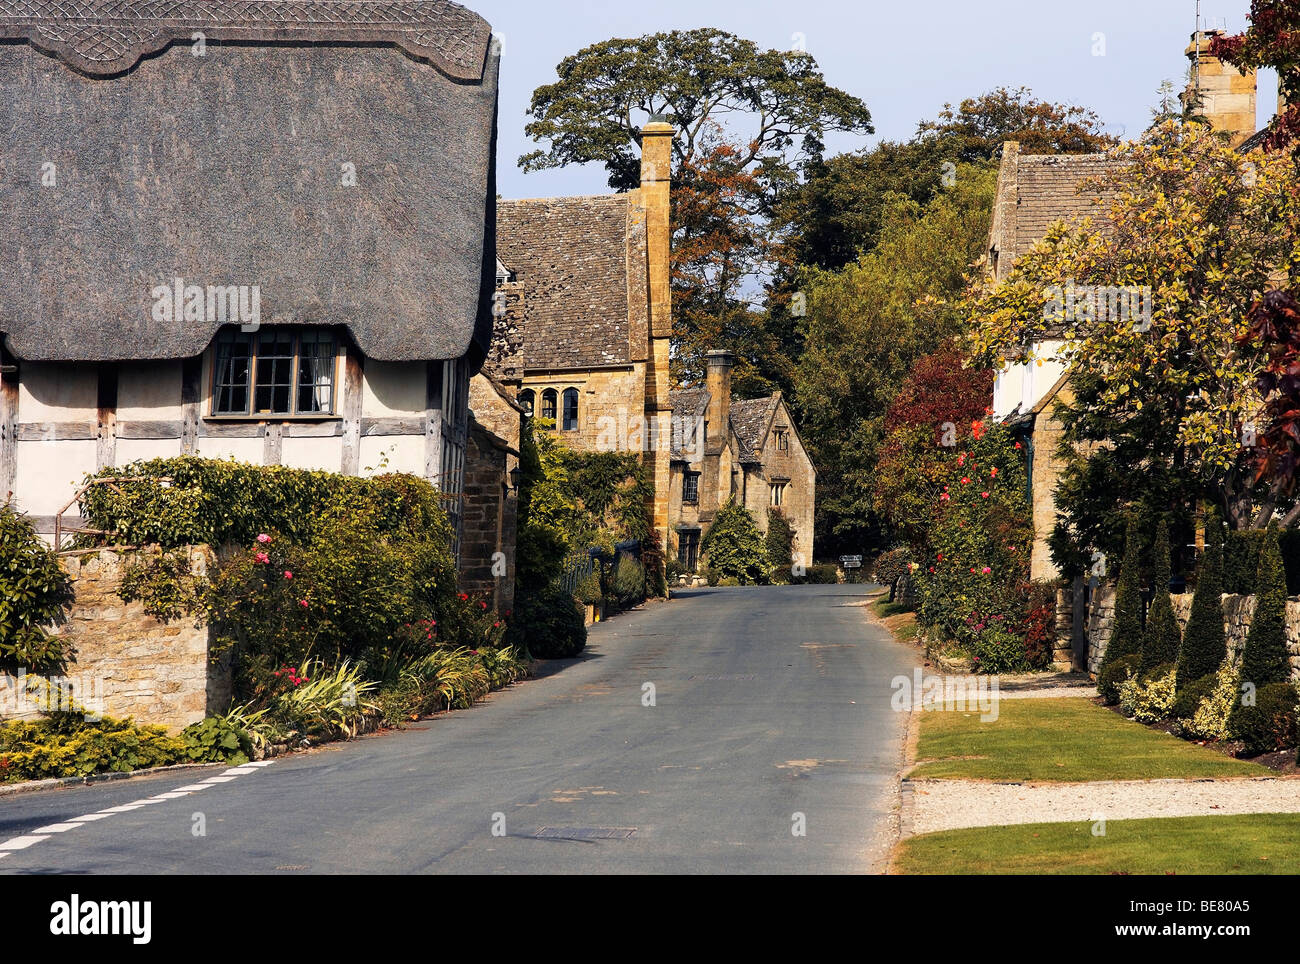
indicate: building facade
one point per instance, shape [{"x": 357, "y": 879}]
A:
[{"x": 295, "y": 268}]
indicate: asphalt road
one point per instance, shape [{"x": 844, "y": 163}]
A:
[{"x": 769, "y": 703}]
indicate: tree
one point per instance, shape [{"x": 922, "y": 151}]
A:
[
  {"x": 1126, "y": 636},
  {"x": 1270, "y": 42},
  {"x": 866, "y": 326},
  {"x": 695, "y": 77},
  {"x": 1162, "y": 639},
  {"x": 734, "y": 547},
  {"x": 1275, "y": 327},
  {"x": 977, "y": 128},
  {"x": 932, "y": 414},
  {"x": 1195, "y": 230},
  {"x": 779, "y": 540},
  {"x": 1264, "y": 657},
  {"x": 746, "y": 118},
  {"x": 1204, "y": 644}
]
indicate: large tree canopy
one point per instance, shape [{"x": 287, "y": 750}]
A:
[
  {"x": 1271, "y": 41},
  {"x": 769, "y": 100},
  {"x": 977, "y": 128}
]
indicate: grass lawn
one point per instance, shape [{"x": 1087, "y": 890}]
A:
[
  {"x": 1069, "y": 739},
  {"x": 898, "y": 619},
  {"x": 1257, "y": 843}
]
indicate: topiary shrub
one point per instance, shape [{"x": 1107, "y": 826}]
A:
[
  {"x": 1148, "y": 697},
  {"x": 1210, "y": 719},
  {"x": 734, "y": 545},
  {"x": 551, "y": 624},
  {"x": 1190, "y": 696},
  {"x": 1162, "y": 639},
  {"x": 1126, "y": 635},
  {"x": 1112, "y": 674},
  {"x": 779, "y": 540},
  {"x": 1204, "y": 644},
  {"x": 34, "y": 593},
  {"x": 1268, "y": 725},
  {"x": 1264, "y": 657}
]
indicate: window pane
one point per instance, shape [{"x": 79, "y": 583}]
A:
[
  {"x": 274, "y": 372},
  {"x": 316, "y": 374},
  {"x": 230, "y": 384},
  {"x": 549, "y": 399},
  {"x": 526, "y": 399},
  {"x": 570, "y": 410}
]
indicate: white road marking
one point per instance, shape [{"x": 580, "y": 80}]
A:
[
  {"x": 173, "y": 795},
  {"x": 238, "y": 771},
  {"x": 122, "y": 809},
  {"x": 58, "y": 828},
  {"x": 189, "y": 789},
  {"x": 89, "y": 817},
  {"x": 21, "y": 843},
  {"x": 212, "y": 780},
  {"x": 260, "y": 763},
  {"x": 146, "y": 801}
]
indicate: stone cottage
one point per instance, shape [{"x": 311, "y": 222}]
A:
[
  {"x": 251, "y": 230},
  {"x": 1033, "y": 193},
  {"x": 584, "y": 317},
  {"x": 757, "y": 458}
]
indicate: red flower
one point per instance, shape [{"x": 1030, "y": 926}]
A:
[
  {"x": 302, "y": 603},
  {"x": 482, "y": 604},
  {"x": 965, "y": 481},
  {"x": 288, "y": 574},
  {"x": 464, "y": 596},
  {"x": 1017, "y": 445},
  {"x": 262, "y": 557},
  {"x": 984, "y": 495},
  {"x": 496, "y": 625}
]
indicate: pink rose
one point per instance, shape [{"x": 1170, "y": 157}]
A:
[
  {"x": 288, "y": 574},
  {"x": 302, "y": 603},
  {"x": 263, "y": 538},
  {"x": 986, "y": 570},
  {"x": 262, "y": 557}
]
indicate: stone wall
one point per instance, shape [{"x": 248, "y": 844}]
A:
[
  {"x": 488, "y": 527},
  {"x": 1237, "y": 613},
  {"x": 128, "y": 664}
]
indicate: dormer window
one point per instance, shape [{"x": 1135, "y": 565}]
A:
[{"x": 782, "y": 440}]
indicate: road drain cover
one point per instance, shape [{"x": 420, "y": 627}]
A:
[{"x": 586, "y": 833}]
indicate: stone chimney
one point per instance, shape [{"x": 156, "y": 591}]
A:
[
  {"x": 656, "y": 186},
  {"x": 656, "y": 196},
  {"x": 1227, "y": 96},
  {"x": 718, "y": 382}
]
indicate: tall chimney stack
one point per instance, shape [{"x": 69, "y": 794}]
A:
[
  {"x": 656, "y": 198},
  {"x": 1227, "y": 96},
  {"x": 718, "y": 382}
]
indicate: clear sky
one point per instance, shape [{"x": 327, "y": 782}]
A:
[{"x": 905, "y": 58}]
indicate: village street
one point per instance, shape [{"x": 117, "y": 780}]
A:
[{"x": 769, "y": 703}]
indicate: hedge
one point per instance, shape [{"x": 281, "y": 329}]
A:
[{"x": 219, "y": 502}]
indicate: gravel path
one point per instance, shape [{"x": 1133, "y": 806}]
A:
[{"x": 953, "y": 804}]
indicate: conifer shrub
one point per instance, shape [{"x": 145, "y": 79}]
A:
[
  {"x": 1162, "y": 639},
  {"x": 1204, "y": 644},
  {"x": 1126, "y": 636}
]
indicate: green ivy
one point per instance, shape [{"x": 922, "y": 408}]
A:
[
  {"x": 734, "y": 547},
  {"x": 35, "y": 592}
]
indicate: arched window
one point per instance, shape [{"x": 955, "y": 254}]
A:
[
  {"x": 570, "y": 410},
  {"x": 549, "y": 400},
  {"x": 526, "y": 399}
]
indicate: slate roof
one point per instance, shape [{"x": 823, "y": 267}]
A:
[
  {"x": 1050, "y": 189},
  {"x": 230, "y": 169},
  {"x": 688, "y": 404},
  {"x": 574, "y": 261},
  {"x": 750, "y": 420},
  {"x": 1036, "y": 190}
]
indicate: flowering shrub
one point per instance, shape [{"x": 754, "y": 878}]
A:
[
  {"x": 1210, "y": 720},
  {"x": 972, "y": 589},
  {"x": 1149, "y": 698}
]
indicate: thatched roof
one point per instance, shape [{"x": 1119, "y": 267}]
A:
[{"x": 236, "y": 168}]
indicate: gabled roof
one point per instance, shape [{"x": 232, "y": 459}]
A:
[
  {"x": 579, "y": 270},
  {"x": 336, "y": 155},
  {"x": 688, "y": 405},
  {"x": 750, "y": 420},
  {"x": 1036, "y": 190}
]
